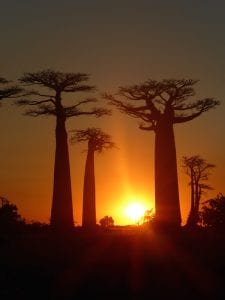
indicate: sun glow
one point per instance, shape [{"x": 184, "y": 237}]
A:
[{"x": 135, "y": 212}]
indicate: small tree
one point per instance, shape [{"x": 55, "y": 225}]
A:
[
  {"x": 159, "y": 105},
  {"x": 10, "y": 219},
  {"x": 49, "y": 102},
  {"x": 106, "y": 222},
  {"x": 97, "y": 142},
  {"x": 198, "y": 169},
  {"x": 212, "y": 214}
]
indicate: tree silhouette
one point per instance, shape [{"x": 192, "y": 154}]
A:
[
  {"x": 8, "y": 91},
  {"x": 148, "y": 216},
  {"x": 10, "y": 219},
  {"x": 198, "y": 169},
  {"x": 49, "y": 102},
  {"x": 213, "y": 213},
  {"x": 97, "y": 142},
  {"x": 159, "y": 105},
  {"x": 106, "y": 222}
]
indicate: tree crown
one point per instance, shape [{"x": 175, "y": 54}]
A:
[
  {"x": 50, "y": 103},
  {"x": 197, "y": 166},
  {"x": 8, "y": 213},
  {"x": 97, "y": 139},
  {"x": 153, "y": 100}
]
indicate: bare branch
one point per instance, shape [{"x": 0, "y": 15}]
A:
[
  {"x": 183, "y": 119},
  {"x": 199, "y": 107},
  {"x": 97, "y": 112},
  {"x": 199, "y": 167},
  {"x": 80, "y": 88},
  {"x": 23, "y": 102},
  {"x": 58, "y": 81},
  {"x": 36, "y": 93},
  {"x": 9, "y": 91},
  {"x": 41, "y": 110},
  {"x": 88, "y": 100},
  {"x": 149, "y": 128},
  {"x": 137, "y": 112}
]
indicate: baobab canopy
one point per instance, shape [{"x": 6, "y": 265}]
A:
[{"x": 152, "y": 99}]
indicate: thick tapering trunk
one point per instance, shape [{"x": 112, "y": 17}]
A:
[
  {"x": 62, "y": 208},
  {"x": 166, "y": 179},
  {"x": 89, "y": 207}
]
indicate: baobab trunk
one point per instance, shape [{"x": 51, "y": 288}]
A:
[
  {"x": 62, "y": 208},
  {"x": 166, "y": 179},
  {"x": 89, "y": 208}
]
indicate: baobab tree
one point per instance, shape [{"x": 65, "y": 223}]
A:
[
  {"x": 7, "y": 90},
  {"x": 49, "y": 102},
  {"x": 159, "y": 105},
  {"x": 97, "y": 142},
  {"x": 198, "y": 169}
]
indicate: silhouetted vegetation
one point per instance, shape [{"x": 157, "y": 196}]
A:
[
  {"x": 148, "y": 216},
  {"x": 198, "y": 169},
  {"x": 159, "y": 105},
  {"x": 10, "y": 220},
  {"x": 97, "y": 142},
  {"x": 106, "y": 222},
  {"x": 212, "y": 213},
  {"x": 50, "y": 102}
]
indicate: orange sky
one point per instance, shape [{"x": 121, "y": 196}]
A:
[
  {"x": 117, "y": 47},
  {"x": 123, "y": 175}
]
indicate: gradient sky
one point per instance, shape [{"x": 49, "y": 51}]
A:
[{"x": 118, "y": 43}]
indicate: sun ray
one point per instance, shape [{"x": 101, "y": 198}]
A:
[{"x": 135, "y": 212}]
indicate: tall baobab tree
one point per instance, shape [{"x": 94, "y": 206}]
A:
[
  {"x": 97, "y": 142},
  {"x": 8, "y": 91},
  {"x": 198, "y": 169},
  {"x": 49, "y": 101},
  {"x": 159, "y": 105}
]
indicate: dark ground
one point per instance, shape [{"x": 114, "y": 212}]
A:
[{"x": 118, "y": 264}]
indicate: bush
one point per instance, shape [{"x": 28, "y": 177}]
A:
[
  {"x": 107, "y": 222},
  {"x": 10, "y": 219},
  {"x": 212, "y": 214}
]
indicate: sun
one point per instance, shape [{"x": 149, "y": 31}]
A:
[{"x": 135, "y": 211}]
